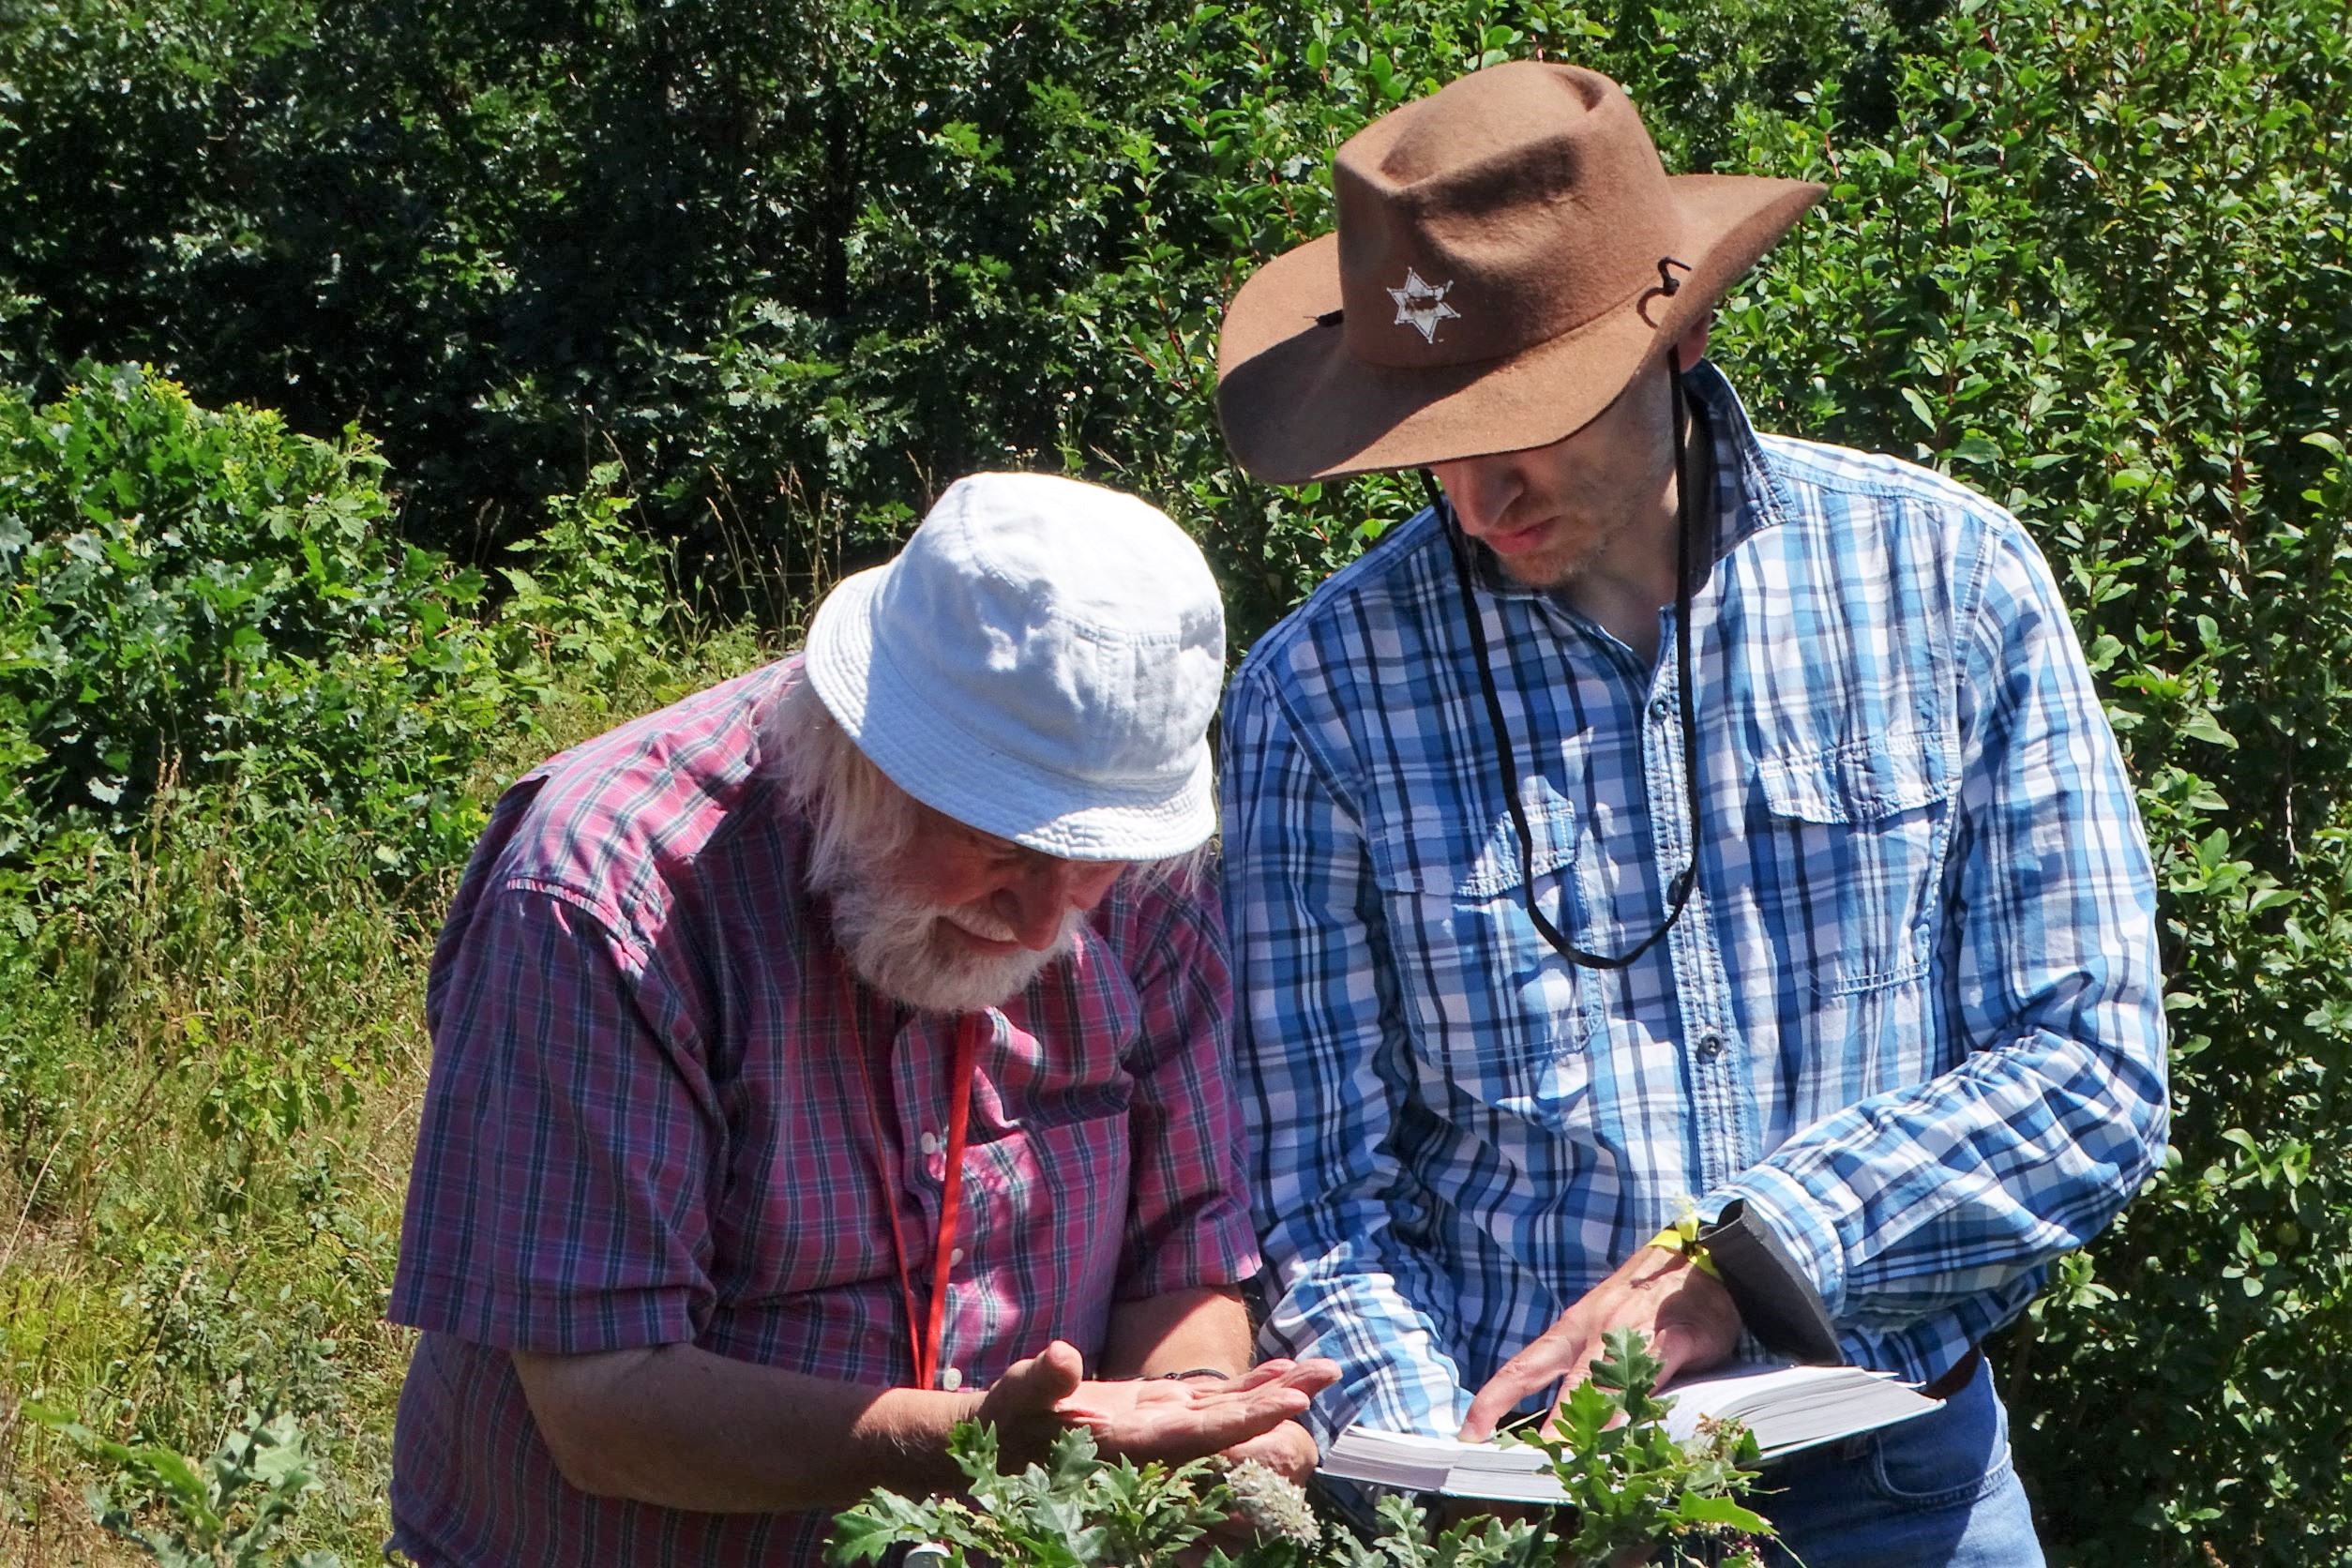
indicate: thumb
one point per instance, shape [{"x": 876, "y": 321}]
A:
[{"x": 1047, "y": 1378}]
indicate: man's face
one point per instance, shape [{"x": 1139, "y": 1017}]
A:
[
  {"x": 1552, "y": 513},
  {"x": 961, "y": 919}
]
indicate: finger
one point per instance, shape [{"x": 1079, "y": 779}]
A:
[
  {"x": 1263, "y": 1373},
  {"x": 1050, "y": 1376},
  {"x": 1699, "y": 1331},
  {"x": 1678, "y": 1350},
  {"x": 1541, "y": 1363},
  {"x": 1312, "y": 1376},
  {"x": 1309, "y": 1377},
  {"x": 1279, "y": 1370}
]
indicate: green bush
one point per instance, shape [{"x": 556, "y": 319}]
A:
[
  {"x": 211, "y": 1054},
  {"x": 2098, "y": 273},
  {"x": 795, "y": 269},
  {"x": 204, "y": 599},
  {"x": 205, "y": 595}
]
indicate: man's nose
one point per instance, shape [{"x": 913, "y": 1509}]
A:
[
  {"x": 1481, "y": 490},
  {"x": 1042, "y": 896}
]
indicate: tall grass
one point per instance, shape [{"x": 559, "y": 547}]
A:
[{"x": 212, "y": 1052}]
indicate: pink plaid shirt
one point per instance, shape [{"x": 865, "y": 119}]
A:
[{"x": 644, "y": 1125}]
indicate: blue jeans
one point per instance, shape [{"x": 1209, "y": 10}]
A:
[{"x": 1937, "y": 1491}]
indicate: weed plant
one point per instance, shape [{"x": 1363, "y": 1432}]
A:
[{"x": 1635, "y": 1495}]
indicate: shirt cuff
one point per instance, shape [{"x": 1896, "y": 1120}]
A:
[{"x": 544, "y": 1321}]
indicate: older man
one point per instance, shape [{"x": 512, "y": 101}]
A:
[
  {"x": 1683, "y": 880},
  {"x": 837, "y": 1055}
]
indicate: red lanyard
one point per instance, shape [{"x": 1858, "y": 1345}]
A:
[{"x": 970, "y": 1031}]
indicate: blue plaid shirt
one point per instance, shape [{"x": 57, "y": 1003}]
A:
[{"x": 1911, "y": 1014}]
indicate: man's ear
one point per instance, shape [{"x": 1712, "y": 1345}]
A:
[{"x": 1693, "y": 345}]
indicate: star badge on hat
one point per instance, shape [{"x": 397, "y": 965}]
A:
[{"x": 1422, "y": 305}]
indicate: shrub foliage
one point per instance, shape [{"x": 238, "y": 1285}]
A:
[{"x": 787, "y": 269}]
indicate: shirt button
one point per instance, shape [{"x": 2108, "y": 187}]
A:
[
  {"x": 956, "y": 1256},
  {"x": 1710, "y": 1044},
  {"x": 952, "y": 1379},
  {"x": 929, "y": 1144},
  {"x": 1662, "y": 706}
]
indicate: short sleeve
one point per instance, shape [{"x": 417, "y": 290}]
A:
[
  {"x": 559, "y": 1201},
  {"x": 1188, "y": 1212}
]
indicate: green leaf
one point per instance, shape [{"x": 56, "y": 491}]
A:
[
  {"x": 2202, "y": 726},
  {"x": 188, "y": 1492},
  {"x": 1695, "y": 1509},
  {"x": 864, "y": 1535}
]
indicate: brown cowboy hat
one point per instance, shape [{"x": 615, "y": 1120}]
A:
[{"x": 1511, "y": 254}]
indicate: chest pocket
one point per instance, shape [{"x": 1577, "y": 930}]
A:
[
  {"x": 1846, "y": 848},
  {"x": 1493, "y": 1012}
]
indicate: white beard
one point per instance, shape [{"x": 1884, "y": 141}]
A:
[{"x": 896, "y": 944}]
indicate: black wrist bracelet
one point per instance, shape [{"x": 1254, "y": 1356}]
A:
[{"x": 1194, "y": 1372}]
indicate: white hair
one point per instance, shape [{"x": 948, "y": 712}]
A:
[{"x": 857, "y": 816}]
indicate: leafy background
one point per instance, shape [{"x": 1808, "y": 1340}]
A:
[{"x": 395, "y": 392}]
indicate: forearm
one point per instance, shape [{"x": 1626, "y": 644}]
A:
[
  {"x": 1974, "y": 1180},
  {"x": 1177, "y": 1331},
  {"x": 680, "y": 1428}
]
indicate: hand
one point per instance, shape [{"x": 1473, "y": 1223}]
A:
[
  {"x": 1147, "y": 1418},
  {"x": 1684, "y": 1311},
  {"x": 1151, "y": 1418},
  {"x": 1021, "y": 1405}
]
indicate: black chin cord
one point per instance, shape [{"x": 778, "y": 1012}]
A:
[{"x": 1679, "y": 892}]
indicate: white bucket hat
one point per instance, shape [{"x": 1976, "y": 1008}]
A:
[{"x": 1040, "y": 662}]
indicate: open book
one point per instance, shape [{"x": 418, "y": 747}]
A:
[{"x": 1785, "y": 1409}]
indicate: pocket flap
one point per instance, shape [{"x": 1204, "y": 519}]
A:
[
  {"x": 1857, "y": 783},
  {"x": 1466, "y": 860}
]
